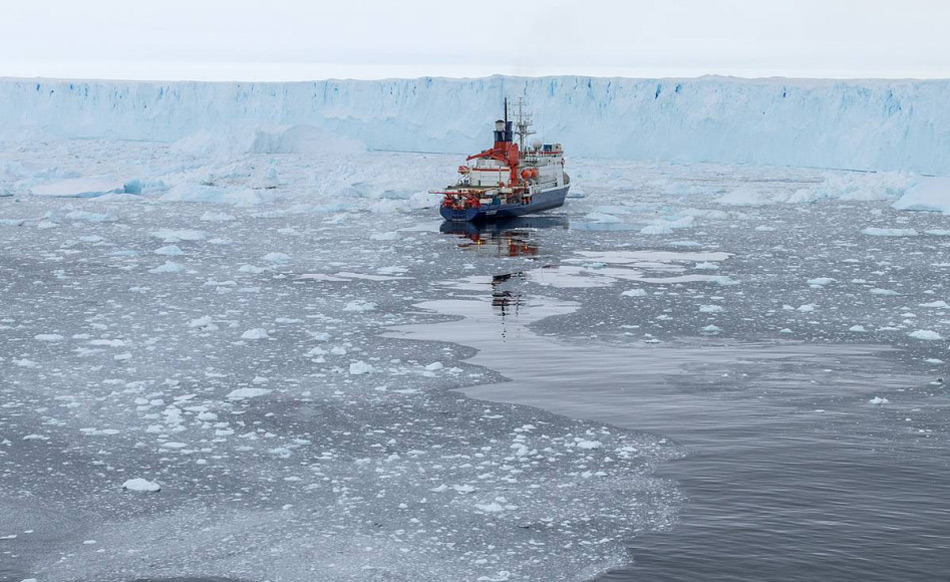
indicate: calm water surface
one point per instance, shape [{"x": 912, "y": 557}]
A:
[{"x": 793, "y": 474}]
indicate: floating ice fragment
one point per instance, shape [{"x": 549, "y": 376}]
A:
[
  {"x": 170, "y": 251},
  {"x": 168, "y": 267},
  {"x": 245, "y": 393},
  {"x": 216, "y": 217},
  {"x": 589, "y": 445},
  {"x": 85, "y": 216},
  {"x": 255, "y": 334},
  {"x": 635, "y": 293},
  {"x": 174, "y": 236},
  {"x": 357, "y": 368},
  {"x": 925, "y": 334},
  {"x": 878, "y": 400},
  {"x": 201, "y": 322},
  {"x": 277, "y": 258},
  {"x": 893, "y": 232},
  {"x": 434, "y": 366},
  {"x": 707, "y": 266},
  {"x": 820, "y": 281},
  {"x": 141, "y": 485}
]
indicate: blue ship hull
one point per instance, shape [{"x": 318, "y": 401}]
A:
[{"x": 543, "y": 201}]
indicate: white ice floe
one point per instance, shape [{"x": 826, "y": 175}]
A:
[
  {"x": 878, "y": 400},
  {"x": 927, "y": 194},
  {"x": 635, "y": 293},
  {"x": 589, "y": 445},
  {"x": 168, "y": 267},
  {"x": 239, "y": 196},
  {"x": 141, "y": 485},
  {"x": 86, "y": 216},
  {"x": 277, "y": 258},
  {"x": 245, "y": 393},
  {"x": 256, "y": 333},
  {"x": 48, "y": 337},
  {"x": 216, "y": 217},
  {"x": 820, "y": 281},
  {"x": 203, "y": 322},
  {"x": 169, "y": 251},
  {"x": 359, "y": 305},
  {"x": 358, "y": 368},
  {"x": 88, "y": 187},
  {"x": 925, "y": 334},
  {"x": 891, "y": 232},
  {"x": 174, "y": 236}
]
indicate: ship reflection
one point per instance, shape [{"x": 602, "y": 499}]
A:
[{"x": 508, "y": 238}]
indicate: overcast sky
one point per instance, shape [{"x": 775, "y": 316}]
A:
[{"x": 298, "y": 39}]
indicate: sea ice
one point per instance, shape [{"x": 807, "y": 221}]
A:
[{"x": 141, "y": 485}]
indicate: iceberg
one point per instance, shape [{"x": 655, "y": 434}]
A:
[{"x": 862, "y": 124}]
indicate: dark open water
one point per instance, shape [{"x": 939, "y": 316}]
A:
[{"x": 793, "y": 474}]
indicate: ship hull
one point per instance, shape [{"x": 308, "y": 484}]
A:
[{"x": 547, "y": 200}]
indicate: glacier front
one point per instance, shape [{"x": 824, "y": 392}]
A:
[{"x": 865, "y": 125}]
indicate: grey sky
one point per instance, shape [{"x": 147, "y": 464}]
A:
[{"x": 293, "y": 39}]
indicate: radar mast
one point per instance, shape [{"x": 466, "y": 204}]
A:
[{"x": 523, "y": 124}]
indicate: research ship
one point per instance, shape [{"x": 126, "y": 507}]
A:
[{"x": 508, "y": 179}]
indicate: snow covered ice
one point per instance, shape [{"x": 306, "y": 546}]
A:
[{"x": 211, "y": 315}]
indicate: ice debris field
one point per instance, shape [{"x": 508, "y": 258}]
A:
[{"x": 196, "y": 377}]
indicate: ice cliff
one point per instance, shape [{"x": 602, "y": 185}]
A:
[{"x": 875, "y": 125}]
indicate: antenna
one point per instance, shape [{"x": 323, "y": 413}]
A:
[{"x": 524, "y": 124}]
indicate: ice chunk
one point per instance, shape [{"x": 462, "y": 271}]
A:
[
  {"x": 277, "y": 258},
  {"x": 85, "y": 216},
  {"x": 245, "y": 393},
  {"x": 216, "y": 217},
  {"x": 79, "y": 187},
  {"x": 168, "y": 267},
  {"x": 174, "y": 236},
  {"x": 358, "y": 368},
  {"x": 894, "y": 232},
  {"x": 141, "y": 485},
  {"x": 201, "y": 322},
  {"x": 928, "y": 195},
  {"x": 925, "y": 334},
  {"x": 169, "y": 250},
  {"x": 255, "y": 334},
  {"x": 820, "y": 281}
]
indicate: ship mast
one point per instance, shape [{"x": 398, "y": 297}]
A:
[{"x": 523, "y": 124}]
